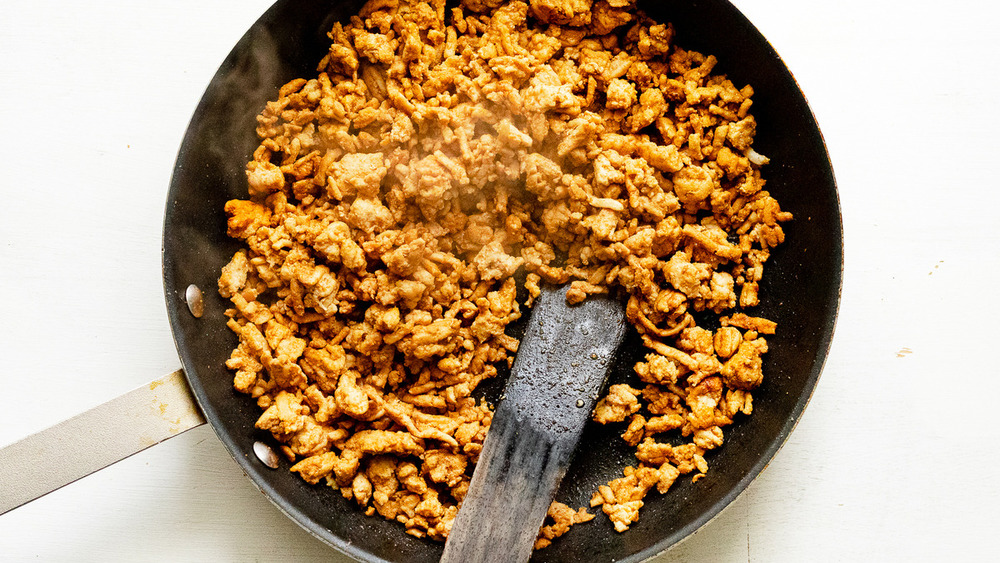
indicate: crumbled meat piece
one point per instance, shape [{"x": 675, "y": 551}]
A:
[
  {"x": 693, "y": 184},
  {"x": 726, "y": 341},
  {"x": 621, "y": 94},
  {"x": 562, "y": 12},
  {"x": 744, "y": 370},
  {"x": 607, "y": 16},
  {"x": 702, "y": 399},
  {"x": 617, "y": 405},
  {"x": 495, "y": 264},
  {"x": 621, "y": 498},
  {"x": 356, "y": 174},
  {"x": 740, "y": 133},
  {"x": 264, "y": 178},
  {"x": 439, "y": 156},
  {"x": 633, "y": 434},
  {"x": 708, "y": 438},
  {"x": 234, "y": 275},
  {"x": 658, "y": 369},
  {"x": 744, "y": 321},
  {"x": 314, "y": 468},
  {"x": 444, "y": 467},
  {"x": 651, "y": 107},
  {"x": 562, "y": 517}
]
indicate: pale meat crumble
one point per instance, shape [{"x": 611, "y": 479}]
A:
[{"x": 438, "y": 153}]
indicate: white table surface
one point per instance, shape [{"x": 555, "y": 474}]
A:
[{"x": 895, "y": 458}]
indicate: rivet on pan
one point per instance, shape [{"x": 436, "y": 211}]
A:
[
  {"x": 194, "y": 301},
  {"x": 579, "y": 403},
  {"x": 265, "y": 454}
]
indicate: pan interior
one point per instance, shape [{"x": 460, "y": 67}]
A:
[{"x": 800, "y": 289}]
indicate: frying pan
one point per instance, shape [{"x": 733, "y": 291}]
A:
[{"x": 800, "y": 290}]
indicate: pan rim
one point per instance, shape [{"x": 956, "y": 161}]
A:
[{"x": 308, "y": 523}]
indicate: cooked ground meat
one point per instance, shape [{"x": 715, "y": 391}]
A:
[{"x": 440, "y": 152}]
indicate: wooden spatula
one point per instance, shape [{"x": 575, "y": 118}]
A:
[{"x": 559, "y": 371}]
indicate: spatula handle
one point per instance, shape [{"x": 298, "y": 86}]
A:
[
  {"x": 560, "y": 368},
  {"x": 521, "y": 469}
]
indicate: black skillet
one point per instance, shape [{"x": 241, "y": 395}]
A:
[{"x": 800, "y": 290}]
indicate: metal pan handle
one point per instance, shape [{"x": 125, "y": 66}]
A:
[{"x": 95, "y": 439}]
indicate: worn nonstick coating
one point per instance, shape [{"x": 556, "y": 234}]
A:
[{"x": 800, "y": 290}]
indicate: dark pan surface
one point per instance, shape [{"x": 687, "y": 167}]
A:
[{"x": 800, "y": 290}]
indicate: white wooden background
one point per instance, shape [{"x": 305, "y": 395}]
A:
[{"x": 896, "y": 457}]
